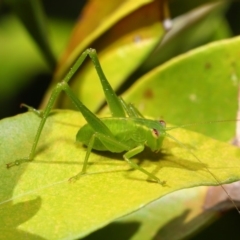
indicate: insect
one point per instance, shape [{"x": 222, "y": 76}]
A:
[{"x": 125, "y": 131}]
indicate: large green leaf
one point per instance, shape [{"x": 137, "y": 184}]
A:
[
  {"x": 37, "y": 199},
  {"x": 201, "y": 85}
]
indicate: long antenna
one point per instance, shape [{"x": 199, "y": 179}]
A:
[
  {"x": 216, "y": 179},
  {"x": 204, "y": 122}
]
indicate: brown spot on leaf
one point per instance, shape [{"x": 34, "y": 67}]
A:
[
  {"x": 148, "y": 94},
  {"x": 208, "y": 65}
]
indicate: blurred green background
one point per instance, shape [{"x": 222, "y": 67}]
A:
[{"x": 25, "y": 74}]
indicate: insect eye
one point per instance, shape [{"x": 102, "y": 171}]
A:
[
  {"x": 155, "y": 132},
  {"x": 163, "y": 123}
]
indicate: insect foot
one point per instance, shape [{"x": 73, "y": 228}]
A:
[
  {"x": 17, "y": 162},
  {"x": 39, "y": 113},
  {"x": 156, "y": 179},
  {"x": 163, "y": 183},
  {"x": 76, "y": 177}
]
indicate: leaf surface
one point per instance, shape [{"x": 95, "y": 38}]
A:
[
  {"x": 35, "y": 195},
  {"x": 198, "y": 86}
]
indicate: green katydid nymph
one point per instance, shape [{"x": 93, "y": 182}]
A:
[{"x": 125, "y": 131}]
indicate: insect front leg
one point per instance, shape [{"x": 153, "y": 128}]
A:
[
  {"x": 39, "y": 113},
  {"x": 134, "y": 152}
]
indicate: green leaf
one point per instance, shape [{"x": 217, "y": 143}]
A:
[
  {"x": 36, "y": 194},
  {"x": 199, "y": 86}
]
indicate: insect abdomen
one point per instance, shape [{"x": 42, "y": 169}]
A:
[{"x": 124, "y": 130}]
